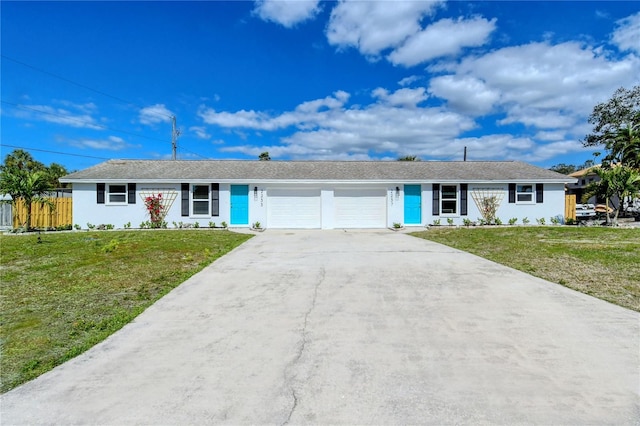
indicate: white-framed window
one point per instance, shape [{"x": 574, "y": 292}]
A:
[
  {"x": 525, "y": 194},
  {"x": 449, "y": 200},
  {"x": 117, "y": 194},
  {"x": 200, "y": 200}
]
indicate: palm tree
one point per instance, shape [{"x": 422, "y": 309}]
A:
[
  {"x": 30, "y": 187},
  {"x": 619, "y": 182},
  {"x": 624, "y": 146}
]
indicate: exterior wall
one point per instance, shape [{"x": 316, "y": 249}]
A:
[
  {"x": 87, "y": 210},
  {"x": 552, "y": 206}
]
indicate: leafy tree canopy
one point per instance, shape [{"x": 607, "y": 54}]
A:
[
  {"x": 567, "y": 169},
  {"x": 616, "y": 127},
  {"x": 264, "y": 156},
  {"x": 21, "y": 163},
  {"x": 409, "y": 158}
]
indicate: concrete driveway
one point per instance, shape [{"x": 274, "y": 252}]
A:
[{"x": 377, "y": 327}]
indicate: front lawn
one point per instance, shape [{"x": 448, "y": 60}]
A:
[
  {"x": 602, "y": 262},
  {"x": 64, "y": 293}
]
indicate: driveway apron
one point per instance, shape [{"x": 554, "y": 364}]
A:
[{"x": 352, "y": 327}]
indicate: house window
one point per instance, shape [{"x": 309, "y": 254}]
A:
[
  {"x": 200, "y": 199},
  {"x": 524, "y": 194},
  {"x": 117, "y": 194},
  {"x": 449, "y": 199}
]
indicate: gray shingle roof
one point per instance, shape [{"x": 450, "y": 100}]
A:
[{"x": 254, "y": 171}]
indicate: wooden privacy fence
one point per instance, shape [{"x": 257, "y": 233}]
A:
[
  {"x": 42, "y": 216},
  {"x": 570, "y": 206}
]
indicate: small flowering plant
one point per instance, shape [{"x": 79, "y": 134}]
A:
[{"x": 155, "y": 208}]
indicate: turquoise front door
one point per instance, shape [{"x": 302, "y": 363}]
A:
[
  {"x": 412, "y": 205},
  {"x": 239, "y": 204}
]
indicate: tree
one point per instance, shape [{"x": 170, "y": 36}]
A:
[
  {"x": 565, "y": 169},
  {"x": 55, "y": 172},
  {"x": 619, "y": 182},
  {"x": 28, "y": 186},
  {"x": 24, "y": 178},
  {"x": 22, "y": 160},
  {"x": 264, "y": 156},
  {"x": 624, "y": 147},
  {"x": 409, "y": 158},
  {"x": 616, "y": 126}
]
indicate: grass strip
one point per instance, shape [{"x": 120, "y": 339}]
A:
[
  {"x": 599, "y": 261},
  {"x": 61, "y": 293}
]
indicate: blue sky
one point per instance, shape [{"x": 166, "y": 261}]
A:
[{"x": 348, "y": 80}]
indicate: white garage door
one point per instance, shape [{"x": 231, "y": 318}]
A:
[
  {"x": 360, "y": 208},
  {"x": 293, "y": 208}
]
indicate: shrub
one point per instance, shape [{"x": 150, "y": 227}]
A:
[
  {"x": 211, "y": 224},
  {"x": 541, "y": 221},
  {"x": 466, "y": 222},
  {"x": 397, "y": 225},
  {"x": 525, "y": 221},
  {"x": 450, "y": 221},
  {"x": 224, "y": 224},
  {"x": 513, "y": 220}
]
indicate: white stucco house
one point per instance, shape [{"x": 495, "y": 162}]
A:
[{"x": 313, "y": 194}]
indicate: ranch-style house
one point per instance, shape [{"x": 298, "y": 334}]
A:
[{"x": 314, "y": 194}]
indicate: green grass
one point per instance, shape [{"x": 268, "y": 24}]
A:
[
  {"x": 63, "y": 295},
  {"x": 602, "y": 262}
]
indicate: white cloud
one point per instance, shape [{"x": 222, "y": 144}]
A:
[
  {"x": 112, "y": 143},
  {"x": 466, "y": 94},
  {"x": 155, "y": 114},
  {"x": 331, "y": 130},
  {"x": 407, "y": 81},
  {"x": 538, "y": 84},
  {"x": 627, "y": 34},
  {"x": 286, "y": 13},
  {"x": 80, "y": 119},
  {"x": 200, "y": 132},
  {"x": 373, "y": 26},
  {"x": 303, "y": 116},
  {"x": 443, "y": 38},
  {"x": 408, "y": 98}
]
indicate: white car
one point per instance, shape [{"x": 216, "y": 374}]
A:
[{"x": 585, "y": 211}]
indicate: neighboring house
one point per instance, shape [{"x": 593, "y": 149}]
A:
[
  {"x": 313, "y": 194},
  {"x": 582, "y": 179}
]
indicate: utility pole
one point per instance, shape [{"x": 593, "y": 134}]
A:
[{"x": 174, "y": 137}]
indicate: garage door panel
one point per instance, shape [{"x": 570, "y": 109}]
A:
[
  {"x": 293, "y": 208},
  {"x": 360, "y": 208}
]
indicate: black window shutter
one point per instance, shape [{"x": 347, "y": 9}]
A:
[
  {"x": 539, "y": 193},
  {"x": 512, "y": 192},
  {"x": 435, "y": 208},
  {"x": 131, "y": 193},
  {"x": 463, "y": 199},
  {"x": 215, "y": 199},
  {"x": 100, "y": 193},
  {"x": 185, "y": 199}
]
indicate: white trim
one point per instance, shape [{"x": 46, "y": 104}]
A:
[
  {"x": 457, "y": 199},
  {"x": 524, "y": 193},
  {"x": 192, "y": 212},
  {"x": 108, "y": 194}
]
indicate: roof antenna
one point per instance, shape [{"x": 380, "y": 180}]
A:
[
  {"x": 465, "y": 153},
  {"x": 174, "y": 137}
]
